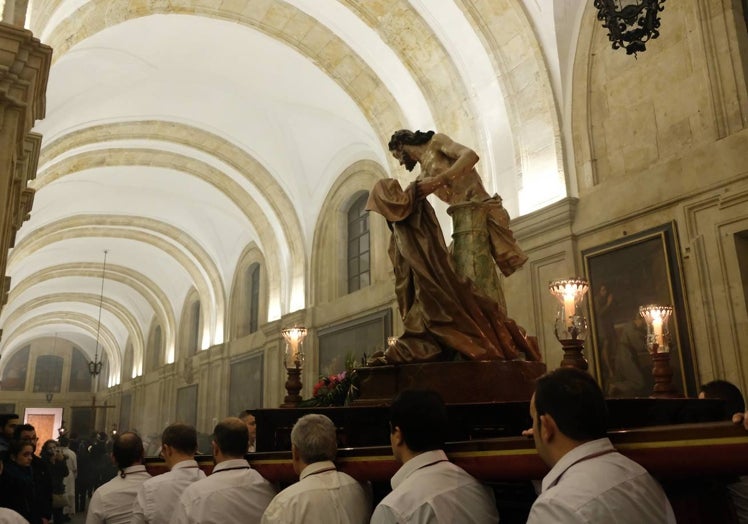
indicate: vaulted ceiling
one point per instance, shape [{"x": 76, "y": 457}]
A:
[{"x": 178, "y": 133}]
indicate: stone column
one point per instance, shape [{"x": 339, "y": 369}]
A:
[
  {"x": 471, "y": 250},
  {"x": 24, "y": 69}
]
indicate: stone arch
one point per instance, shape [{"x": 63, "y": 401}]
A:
[
  {"x": 115, "y": 226},
  {"x": 216, "y": 146},
  {"x": 188, "y": 342},
  {"x": 327, "y": 272},
  {"x": 154, "y": 353},
  {"x": 239, "y": 307},
  {"x": 121, "y": 313},
  {"x": 144, "y": 286},
  {"x": 85, "y": 323},
  {"x": 504, "y": 29},
  {"x": 318, "y": 44}
]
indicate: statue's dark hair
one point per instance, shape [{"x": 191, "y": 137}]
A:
[{"x": 409, "y": 138}]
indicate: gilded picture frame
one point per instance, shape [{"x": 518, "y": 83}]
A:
[{"x": 637, "y": 270}]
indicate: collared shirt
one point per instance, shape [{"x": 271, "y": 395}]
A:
[
  {"x": 234, "y": 492},
  {"x": 112, "y": 502},
  {"x": 594, "y": 483},
  {"x": 428, "y": 488},
  {"x": 157, "y": 496},
  {"x": 8, "y": 516},
  {"x": 322, "y": 494}
]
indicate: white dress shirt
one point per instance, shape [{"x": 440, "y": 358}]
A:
[
  {"x": 112, "y": 502},
  {"x": 234, "y": 492},
  {"x": 8, "y": 516},
  {"x": 69, "y": 480},
  {"x": 322, "y": 494},
  {"x": 157, "y": 496},
  {"x": 428, "y": 489},
  {"x": 594, "y": 483}
]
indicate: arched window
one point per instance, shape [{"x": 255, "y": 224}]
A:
[
  {"x": 193, "y": 342},
  {"x": 48, "y": 375},
  {"x": 14, "y": 374},
  {"x": 80, "y": 378},
  {"x": 155, "y": 349},
  {"x": 127, "y": 363},
  {"x": 253, "y": 298},
  {"x": 359, "y": 263}
]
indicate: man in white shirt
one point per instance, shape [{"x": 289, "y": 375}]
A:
[
  {"x": 248, "y": 417},
  {"x": 234, "y": 492},
  {"x": 112, "y": 502},
  {"x": 589, "y": 481},
  {"x": 428, "y": 488},
  {"x": 323, "y": 494},
  {"x": 157, "y": 496},
  {"x": 69, "y": 480}
]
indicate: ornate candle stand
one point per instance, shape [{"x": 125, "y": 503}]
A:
[{"x": 570, "y": 326}]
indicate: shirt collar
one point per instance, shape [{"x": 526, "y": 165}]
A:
[
  {"x": 593, "y": 447},
  {"x": 419, "y": 461},
  {"x": 138, "y": 468},
  {"x": 317, "y": 467},
  {"x": 231, "y": 463},
  {"x": 185, "y": 464}
]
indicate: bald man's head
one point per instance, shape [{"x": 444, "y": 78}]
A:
[{"x": 127, "y": 450}]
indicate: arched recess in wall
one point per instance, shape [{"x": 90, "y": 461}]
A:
[
  {"x": 329, "y": 272},
  {"x": 127, "y": 363},
  {"x": 249, "y": 294},
  {"x": 155, "y": 347},
  {"x": 190, "y": 325}
]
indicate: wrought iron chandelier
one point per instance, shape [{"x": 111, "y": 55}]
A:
[
  {"x": 94, "y": 366},
  {"x": 630, "y": 23}
]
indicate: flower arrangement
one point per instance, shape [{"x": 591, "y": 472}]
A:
[{"x": 335, "y": 390}]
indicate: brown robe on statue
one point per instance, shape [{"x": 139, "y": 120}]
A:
[{"x": 444, "y": 316}]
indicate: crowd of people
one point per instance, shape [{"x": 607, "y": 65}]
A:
[
  {"x": 50, "y": 483},
  {"x": 588, "y": 481}
]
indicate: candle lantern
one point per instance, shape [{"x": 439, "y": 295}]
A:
[
  {"x": 658, "y": 344},
  {"x": 570, "y": 325},
  {"x": 293, "y": 361}
]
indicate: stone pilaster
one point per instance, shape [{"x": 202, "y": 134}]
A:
[{"x": 24, "y": 69}]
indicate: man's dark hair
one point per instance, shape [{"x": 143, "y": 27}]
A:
[
  {"x": 7, "y": 417},
  {"x": 575, "y": 401},
  {"x": 20, "y": 428},
  {"x": 421, "y": 417},
  {"x": 231, "y": 436},
  {"x": 406, "y": 137},
  {"x": 64, "y": 441},
  {"x": 181, "y": 437},
  {"x": 127, "y": 449},
  {"x": 728, "y": 392},
  {"x": 16, "y": 446}
]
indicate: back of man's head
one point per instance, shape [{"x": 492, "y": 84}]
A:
[
  {"x": 422, "y": 419},
  {"x": 231, "y": 436},
  {"x": 314, "y": 438},
  {"x": 127, "y": 450},
  {"x": 575, "y": 401},
  {"x": 728, "y": 392},
  {"x": 64, "y": 441},
  {"x": 181, "y": 437}
]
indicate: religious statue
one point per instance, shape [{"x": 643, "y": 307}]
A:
[{"x": 452, "y": 305}]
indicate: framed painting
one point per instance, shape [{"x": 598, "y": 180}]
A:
[{"x": 634, "y": 271}]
